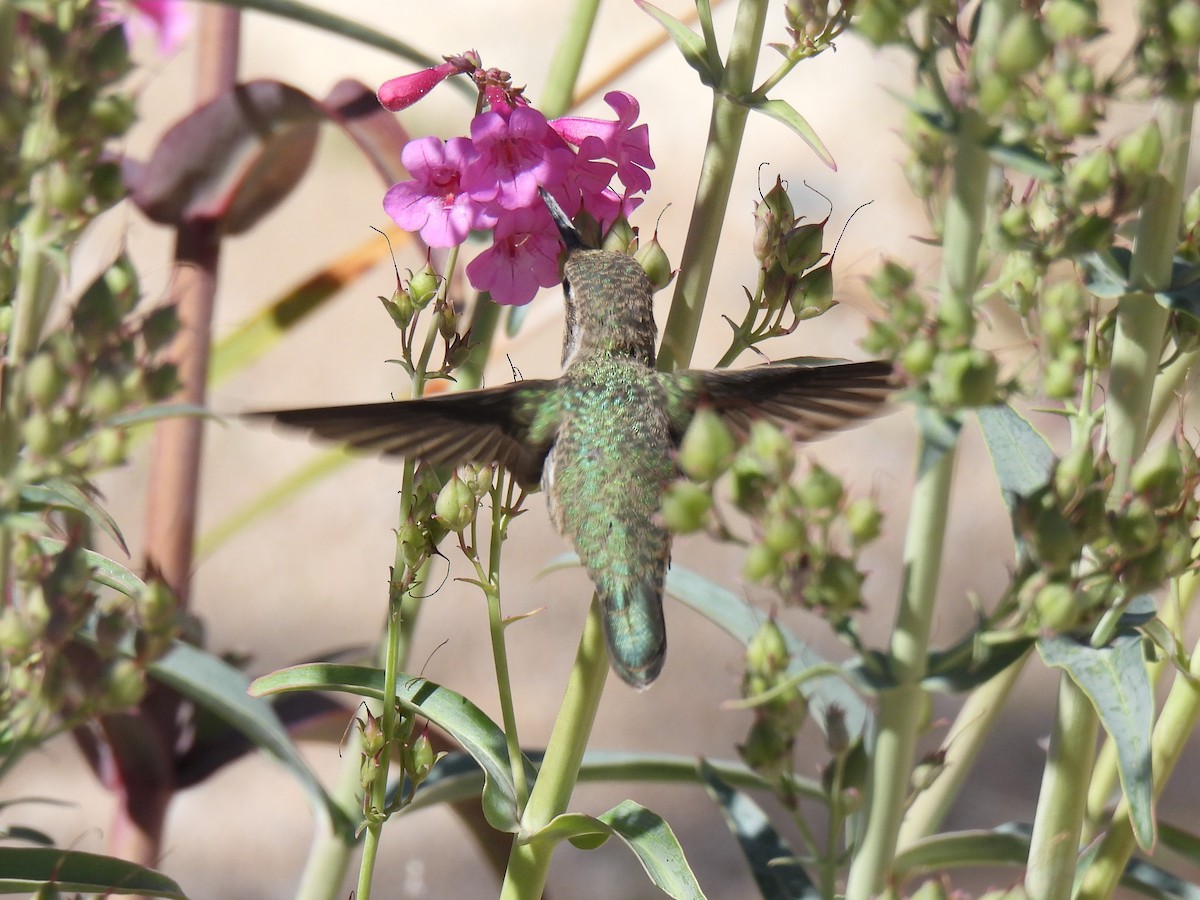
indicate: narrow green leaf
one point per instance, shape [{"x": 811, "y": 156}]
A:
[
  {"x": 29, "y": 869},
  {"x": 690, "y": 44},
  {"x": 584, "y": 832},
  {"x": 1021, "y": 457},
  {"x": 1151, "y": 881},
  {"x": 105, "y": 571},
  {"x": 736, "y": 617},
  {"x": 649, "y": 836},
  {"x": 160, "y": 411},
  {"x": 1004, "y": 845},
  {"x": 453, "y": 713},
  {"x": 1115, "y": 680},
  {"x": 212, "y": 683},
  {"x": 772, "y": 862},
  {"x": 26, "y": 834},
  {"x": 58, "y": 492},
  {"x": 1181, "y": 841},
  {"x": 784, "y": 112}
]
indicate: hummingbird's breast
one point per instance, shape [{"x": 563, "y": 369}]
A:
[{"x": 608, "y": 468}]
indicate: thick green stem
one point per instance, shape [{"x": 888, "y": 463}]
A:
[
  {"x": 901, "y": 708},
  {"x": 726, "y": 127},
  {"x": 529, "y": 861},
  {"x": 568, "y": 59},
  {"x": 1063, "y": 799}
]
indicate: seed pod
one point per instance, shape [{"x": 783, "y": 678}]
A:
[{"x": 706, "y": 450}]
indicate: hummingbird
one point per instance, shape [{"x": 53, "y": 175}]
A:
[{"x": 602, "y": 437}]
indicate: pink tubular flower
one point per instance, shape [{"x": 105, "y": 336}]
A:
[
  {"x": 434, "y": 202},
  {"x": 168, "y": 20},
  {"x": 515, "y": 154},
  {"x": 523, "y": 257},
  {"x": 401, "y": 93},
  {"x": 628, "y": 146}
]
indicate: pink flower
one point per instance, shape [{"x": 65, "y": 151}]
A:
[
  {"x": 515, "y": 154},
  {"x": 168, "y": 20},
  {"x": 434, "y": 202},
  {"x": 627, "y": 146},
  {"x": 522, "y": 258},
  {"x": 401, "y": 93}
]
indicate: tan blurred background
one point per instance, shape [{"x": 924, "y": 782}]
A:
[{"x": 312, "y": 577}]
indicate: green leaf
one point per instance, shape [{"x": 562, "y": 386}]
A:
[
  {"x": 223, "y": 690},
  {"x": 105, "y": 571},
  {"x": 1181, "y": 841},
  {"x": 690, "y": 44},
  {"x": 58, "y": 492},
  {"x": 1022, "y": 458},
  {"x": 453, "y": 713},
  {"x": 736, "y": 617},
  {"x": 161, "y": 411},
  {"x": 784, "y": 112},
  {"x": 1024, "y": 159},
  {"x": 1115, "y": 680},
  {"x": 649, "y": 836},
  {"x": 1107, "y": 274},
  {"x": 772, "y": 862},
  {"x": 1004, "y": 845},
  {"x": 584, "y": 832},
  {"x": 1152, "y": 881},
  {"x": 29, "y": 869},
  {"x": 457, "y": 776}
]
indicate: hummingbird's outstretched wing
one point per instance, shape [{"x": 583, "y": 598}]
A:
[
  {"x": 803, "y": 400},
  {"x": 485, "y": 426}
]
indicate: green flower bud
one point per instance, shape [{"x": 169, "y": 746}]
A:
[
  {"x": 864, "y": 521},
  {"x": 765, "y": 746},
  {"x": 447, "y": 321},
  {"x": 162, "y": 381},
  {"x": 748, "y": 482},
  {"x": 156, "y": 606},
  {"x": 113, "y": 113},
  {"x": 761, "y": 563},
  {"x": 1074, "y": 113},
  {"x": 1058, "y": 379},
  {"x": 105, "y": 396},
  {"x": 399, "y": 308},
  {"x": 994, "y": 91},
  {"x": 414, "y": 544},
  {"x": 1183, "y": 24},
  {"x": 1158, "y": 474},
  {"x": 66, "y": 189},
  {"x": 620, "y": 238},
  {"x": 1075, "y": 472},
  {"x": 837, "y": 586},
  {"x": 41, "y": 435},
  {"x": 918, "y": 356},
  {"x": 1056, "y": 607},
  {"x": 880, "y": 21},
  {"x": 160, "y": 327},
  {"x": 654, "y": 261},
  {"x": 1089, "y": 177},
  {"x": 1136, "y": 528},
  {"x": 773, "y": 217},
  {"x": 1138, "y": 153},
  {"x": 707, "y": 447},
  {"x": 109, "y": 444},
  {"x": 801, "y": 247},
  {"x": 123, "y": 683},
  {"x": 1067, "y": 19},
  {"x": 371, "y": 737},
  {"x": 772, "y": 449},
  {"x": 455, "y": 506},
  {"x": 767, "y": 652},
  {"x": 685, "y": 507},
  {"x": 812, "y": 294},
  {"x": 1147, "y": 572},
  {"x": 419, "y": 758},
  {"x": 1055, "y": 541},
  {"x": 45, "y": 380},
  {"x": 785, "y": 534},
  {"x": 821, "y": 490},
  {"x": 1022, "y": 45},
  {"x": 965, "y": 378},
  {"x": 423, "y": 287}
]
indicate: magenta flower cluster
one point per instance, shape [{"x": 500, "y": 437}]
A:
[
  {"x": 169, "y": 21},
  {"x": 490, "y": 180}
]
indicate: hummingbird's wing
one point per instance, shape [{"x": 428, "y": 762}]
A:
[
  {"x": 485, "y": 426},
  {"x": 803, "y": 400}
]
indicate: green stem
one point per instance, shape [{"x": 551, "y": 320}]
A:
[
  {"x": 1062, "y": 802},
  {"x": 727, "y": 124},
  {"x": 966, "y": 737},
  {"x": 568, "y": 59},
  {"x": 529, "y": 861},
  {"x": 901, "y": 708}
]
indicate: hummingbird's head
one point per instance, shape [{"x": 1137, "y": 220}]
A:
[{"x": 610, "y": 303}]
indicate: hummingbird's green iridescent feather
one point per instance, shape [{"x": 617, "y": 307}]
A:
[{"x": 602, "y": 436}]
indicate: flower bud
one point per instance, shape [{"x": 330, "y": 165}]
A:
[
  {"x": 761, "y": 563},
  {"x": 400, "y": 308},
  {"x": 1056, "y": 608},
  {"x": 123, "y": 683},
  {"x": 654, "y": 261},
  {"x": 707, "y": 447},
  {"x": 965, "y": 378},
  {"x": 41, "y": 435},
  {"x": 413, "y": 544},
  {"x": 864, "y": 521},
  {"x": 455, "y": 506},
  {"x": 685, "y": 507},
  {"x": 821, "y": 490},
  {"x": 1136, "y": 528},
  {"x": 801, "y": 247},
  {"x": 812, "y": 294},
  {"x": 1183, "y": 24},
  {"x": 45, "y": 380},
  {"x": 105, "y": 396},
  {"x": 784, "y": 534},
  {"x": 1158, "y": 474},
  {"x": 419, "y": 758},
  {"x": 773, "y": 217},
  {"x": 620, "y": 237},
  {"x": 1067, "y": 19},
  {"x": 1089, "y": 177},
  {"x": 160, "y": 327},
  {"x": 1075, "y": 472},
  {"x": 423, "y": 287},
  {"x": 838, "y": 585},
  {"x": 1139, "y": 152},
  {"x": 918, "y": 356},
  {"x": 772, "y": 449},
  {"x": 765, "y": 746},
  {"x": 1022, "y": 45}
]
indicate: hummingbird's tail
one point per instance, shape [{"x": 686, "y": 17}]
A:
[{"x": 634, "y": 630}]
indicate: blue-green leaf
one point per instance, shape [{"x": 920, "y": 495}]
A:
[
  {"x": 784, "y": 112},
  {"x": 1022, "y": 458},
  {"x": 772, "y": 862},
  {"x": 690, "y": 44},
  {"x": 453, "y": 713},
  {"x": 223, "y": 690},
  {"x": 736, "y": 617},
  {"x": 29, "y": 869},
  {"x": 1115, "y": 680},
  {"x": 57, "y": 492},
  {"x": 1004, "y": 845},
  {"x": 161, "y": 411},
  {"x": 649, "y": 836}
]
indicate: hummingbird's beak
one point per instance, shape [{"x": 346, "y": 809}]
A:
[{"x": 566, "y": 227}]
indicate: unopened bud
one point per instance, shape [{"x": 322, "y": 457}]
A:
[
  {"x": 685, "y": 507},
  {"x": 455, "y": 506},
  {"x": 707, "y": 447}
]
